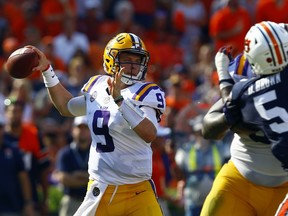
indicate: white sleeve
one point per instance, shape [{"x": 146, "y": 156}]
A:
[
  {"x": 77, "y": 106},
  {"x": 150, "y": 113}
]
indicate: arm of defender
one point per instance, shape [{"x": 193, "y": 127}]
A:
[
  {"x": 222, "y": 61},
  {"x": 214, "y": 123}
]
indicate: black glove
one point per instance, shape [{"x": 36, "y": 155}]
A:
[{"x": 232, "y": 112}]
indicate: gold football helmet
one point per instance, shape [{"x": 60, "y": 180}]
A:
[{"x": 129, "y": 43}]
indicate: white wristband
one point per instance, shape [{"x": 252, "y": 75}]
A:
[
  {"x": 49, "y": 77},
  {"x": 131, "y": 113}
]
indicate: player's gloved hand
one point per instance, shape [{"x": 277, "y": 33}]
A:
[
  {"x": 222, "y": 60},
  {"x": 232, "y": 112}
]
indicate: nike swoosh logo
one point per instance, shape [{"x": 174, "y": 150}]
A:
[{"x": 137, "y": 193}]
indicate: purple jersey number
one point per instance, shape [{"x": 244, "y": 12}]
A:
[{"x": 100, "y": 127}]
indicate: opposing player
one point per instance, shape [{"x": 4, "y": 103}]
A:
[
  {"x": 253, "y": 181},
  {"x": 122, "y": 111},
  {"x": 239, "y": 67}
]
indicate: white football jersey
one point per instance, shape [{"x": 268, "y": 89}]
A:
[
  {"x": 256, "y": 162},
  {"x": 117, "y": 154}
]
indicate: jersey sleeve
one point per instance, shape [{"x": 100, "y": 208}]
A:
[
  {"x": 150, "y": 94},
  {"x": 240, "y": 68},
  {"x": 91, "y": 82}
]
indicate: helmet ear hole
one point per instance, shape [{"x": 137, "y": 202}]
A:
[{"x": 269, "y": 60}]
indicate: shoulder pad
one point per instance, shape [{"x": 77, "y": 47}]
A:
[
  {"x": 240, "y": 87},
  {"x": 91, "y": 82},
  {"x": 150, "y": 94}
]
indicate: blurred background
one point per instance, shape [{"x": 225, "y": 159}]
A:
[{"x": 182, "y": 37}]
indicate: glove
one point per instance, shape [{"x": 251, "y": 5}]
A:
[
  {"x": 222, "y": 61},
  {"x": 223, "y": 55},
  {"x": 232, "y": 112}
]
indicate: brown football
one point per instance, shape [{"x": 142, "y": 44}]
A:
[{"x": 20, "y": 63}]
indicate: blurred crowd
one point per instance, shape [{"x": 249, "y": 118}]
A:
[{"x": 182, "y": 37}]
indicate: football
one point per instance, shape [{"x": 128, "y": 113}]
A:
[{"x": 20, "y": 63}]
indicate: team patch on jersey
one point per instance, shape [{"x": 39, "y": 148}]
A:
[
  {"x": 87, "y": 87},
  {"x": 144, "y": 91},
  {"x": 106, "y": 100},
  {"x": 93, "y": 96}
]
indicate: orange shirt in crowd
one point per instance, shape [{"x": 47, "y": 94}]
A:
[
  {"x": 29, "y": 142},
  {"x": 225, "y": 20},
  {"x": 54, "y": 13},
  {"x": 148, "y": 8},
  {"x": 15, "y": 17},
  {"x": 269, "y": 10}
]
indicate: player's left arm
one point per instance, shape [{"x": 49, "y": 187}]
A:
[
  {"x": 153, "y": 105},
  {"x": 143, "y": 113},
  {"x": 146, "y": 129}
]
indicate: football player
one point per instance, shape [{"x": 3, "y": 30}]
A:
[
  {"x": 239, "y": 67},
  {"x": 253, "y": 181},
  {"x": 123, "y": 112}
]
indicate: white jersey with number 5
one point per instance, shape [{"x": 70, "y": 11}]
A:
[{"x": 117, "y": 154}]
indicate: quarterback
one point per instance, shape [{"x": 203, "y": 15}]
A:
[{"x": 123, "y": 112}]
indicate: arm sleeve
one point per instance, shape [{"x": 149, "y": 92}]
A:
[
  {"x": 150, "y": 113},
  {"x": 77, "y": 106}
]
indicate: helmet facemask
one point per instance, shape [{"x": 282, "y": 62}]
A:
[{"x": 130, "y": 77}]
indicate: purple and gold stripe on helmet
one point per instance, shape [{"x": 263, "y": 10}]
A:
[
  {"x": 90, "y": 83},
  {"x": 144, "y": 91},
  {"x": 136, "y": 41},
  {"x": 242, "y": 66}
]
